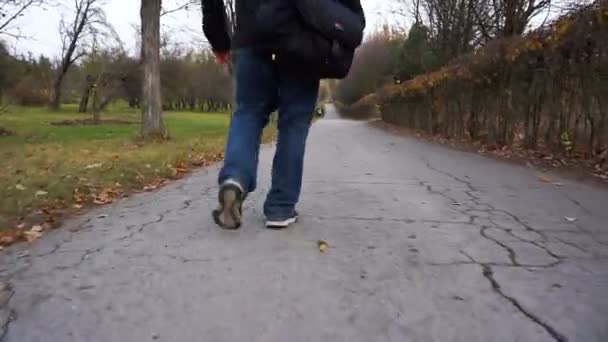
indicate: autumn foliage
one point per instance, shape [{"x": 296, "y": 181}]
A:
[{"x": 547, "y": 89}]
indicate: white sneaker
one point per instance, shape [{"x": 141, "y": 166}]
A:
[{"x": 281, "y": 223}]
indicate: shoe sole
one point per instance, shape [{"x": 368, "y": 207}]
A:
[
  {"x": 281, "y": 224},
  {"x": 228, "y": 216}
]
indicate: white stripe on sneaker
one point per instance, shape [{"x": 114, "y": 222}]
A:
[{"x": 281, "y": 223}]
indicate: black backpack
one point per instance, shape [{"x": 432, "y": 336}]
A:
[{"x": 318, "y": 37}]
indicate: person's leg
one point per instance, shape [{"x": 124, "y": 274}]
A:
[
  {"x": 256, "y": 98},
  {"x": 297, "y": 99}
]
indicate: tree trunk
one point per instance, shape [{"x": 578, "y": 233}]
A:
[
  {"x": 84, "y": 101},
  {"x": 95, "y": 107},
  {"x": 56, "y": 101},
  {"x": 152, "y": 125}
]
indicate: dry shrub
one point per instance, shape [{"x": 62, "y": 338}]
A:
[{"x": 548, "y": 89}]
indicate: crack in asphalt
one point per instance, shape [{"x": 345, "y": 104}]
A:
[
  {"x": 488, "y": 273},
  {"x": 487, "y": 267},
  {"x": 574, "y": 245},
  {"x": 160, "y": 219},
  {"x": 385, "y": 219},
  {"x": 588, "y": 233},
  {"x": 143, "y": 226},
  {"x": 187, "y": 204},
  {"x": 519, "y": 238},
  {"x": 514, "y": 217},
  {"x": 88, "y": 253},
  {"x": 56, "y": 247},
  {"x": 178, "y": 258},
  {"x": 492, "y": 210},
  {"x": 510, "y": 251},
  {"x": 576, "y": 203},
  {"x": 472, "y": 261}
]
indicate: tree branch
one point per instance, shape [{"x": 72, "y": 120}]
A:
[
  {"x": 179, "y": 8},
  {"x": 17, "y": 14}
]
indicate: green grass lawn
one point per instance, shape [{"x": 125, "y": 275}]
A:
[{"x": 46, "y": 166}]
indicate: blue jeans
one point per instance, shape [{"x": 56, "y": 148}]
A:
[{"x": 260, "y": 90}]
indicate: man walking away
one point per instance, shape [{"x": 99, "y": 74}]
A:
[{"x": 265, "y": 82}]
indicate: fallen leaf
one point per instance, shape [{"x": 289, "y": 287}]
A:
[
  {"x": 570, "y": 219},
  {"x": 23, "y": 255},
  {"x": 558, "y": 184},
  {"x": 544, "y": 178},
  {"x": 323, "y": 246},
  {"x": 21, "y": 226},
  {"x": 41, "y": 193},
  {"x": 31, "y": 235},
  {"x": 7, "y": 240},
  {"x": 93, "y": 166},
  {"x": 77, "y": 206},
  {"x": 37, "y": 228},
  {"x": 105, "y": 197},
  {"x": 151, "y": 187},
  {"x": 20, "y": 187},
  {"x": 102, "y": 216}
]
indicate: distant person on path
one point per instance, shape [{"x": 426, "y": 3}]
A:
[{"x": 267, "y": 80}]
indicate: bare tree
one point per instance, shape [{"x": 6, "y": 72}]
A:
[
  {"x": 86, "y": 26},
  {"x": 458, "y": 26},
  {"x": 106, "y": 73},
  {"x": 11, "y": 10},
  {"x": 504, "y": 18},
  {"x": 152, "y": 125}
]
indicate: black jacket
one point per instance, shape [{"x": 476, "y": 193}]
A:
[{"x": 247, "y": 32}]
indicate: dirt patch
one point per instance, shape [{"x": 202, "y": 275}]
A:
[
  {"x": 573, "y": 167},
  {"x": 5, "y": 132},
  {"x": 90, "y": 122}
]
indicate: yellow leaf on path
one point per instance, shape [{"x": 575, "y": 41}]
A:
[
  {"x": 323, "y": 246},
  {"x": 544, "y": 179}
]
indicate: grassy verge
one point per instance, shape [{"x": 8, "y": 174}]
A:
[{"x": 48, "y": 170}]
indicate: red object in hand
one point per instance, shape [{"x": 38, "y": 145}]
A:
[{"x": 222, "y": 57}]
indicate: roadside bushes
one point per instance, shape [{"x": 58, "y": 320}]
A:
[
  {"x": 548, "y": 89},
  {"x": 366, "y": 108}
]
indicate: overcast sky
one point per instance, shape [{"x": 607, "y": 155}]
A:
[{"x": 42, "y": 25}]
